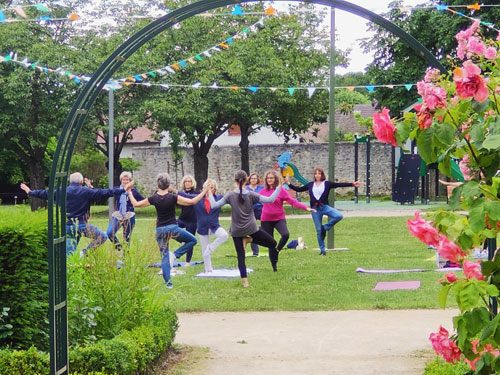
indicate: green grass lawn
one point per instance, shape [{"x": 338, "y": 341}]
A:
[{"x": 305, "y": 280}]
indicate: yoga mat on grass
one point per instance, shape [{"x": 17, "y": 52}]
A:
[
  {"x": 394, "y": 285},
  {"x": 249, "y": 254},
  {"x": 177, "y": 264},
  {"x": 448, "y": 269},
  {"x": 227, "y": 273}
]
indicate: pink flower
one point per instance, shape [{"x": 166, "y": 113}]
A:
[
  {"x": 469, "y": 83},
  {"x": 450, "y": 250},
  {"x": 432, "y": 75},
  {"x": 383, "y": 128},
  {"x": 424, "y": 116},
  {"x": 451, "y": 277},
  {"x": 423, "y": 230},
  {"x": 475, "y": 45},
  {"x": 491, "y": 53},
  {"x": 472, "y": 270},
  {"x": 432, "y": 96},
  {"x": 464, "y": 168},
  {"x": 487, "y": 348},
  {"x": 444, "y": 346}
]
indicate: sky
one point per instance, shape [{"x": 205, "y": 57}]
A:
[{"x": 350, "y": 28}]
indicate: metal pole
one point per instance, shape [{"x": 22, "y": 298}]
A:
[
  {"x": 111, "y": 148},
  {"x": 331, "y": 127},
  {"x": 492, "y": 246},
  {"x": 356, "y": 161},
  {"x": 368, "y": 169}
]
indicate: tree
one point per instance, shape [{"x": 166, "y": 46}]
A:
[
  {"x": 283, "y": 53},
  {"x": 394, "y": 60},
  {"x": 33, "y": 105}
]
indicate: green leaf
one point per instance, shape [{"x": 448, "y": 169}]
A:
[
  {"x": 445, "y": 135},
  {"x": 425, "y": 146},
  {"x": 480, "y": 107},
  {"x": 492, "y": 290},
  {"x": 476, "y": 133},
  {"x": 492, "y": 142},
  {"x": 476, "y": 217},
  {"x": 443, "y": 295},
  {"x": 489, "y": 328}
]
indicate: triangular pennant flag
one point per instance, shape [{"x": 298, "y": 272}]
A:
[
  {"x": 206, "y": 53},
  {"x": 175, "y": 66},
  {"x": 34, "y": 64},
  {"x": 291, "y": 90},
  {"x": 191, "y": 60},
  {"x": 127, "y": 83},
  {"x": 77, "y": 80},
  {"x": 474, "y": 6},
  {"x": 152, "y": 74},
  {"x": 245, "y": 31},
  {"x": 25, "y": 62},
  {"x": 196, "y": 85},
  {"x": 237, "y": 11},
  {"x": 408, "y": 86},
  {"x": 461, "y": 14},
  {"x": 441, "y": 7},
  {"x": 273, "y": 89},
  {"x": 420, "y": 100},
  {"x": 198, "y": 57},
  {"x": 390, "y": 86},
  {"x": 44, "y": 18},
  {"x": 270, "y": 11},
  {"x": 224, "y": 45},
  {"x": 144, "y": 76},
  {"x": 183, "y": 63},
  {"x": 74, "y": 17},
  {"x": 130, "y": 79},
  {"x": 229, "y": 40},
  {"x": 41, "y": 8},
  {"x": 215, "y": 48},
  {"x": 310, "y": 91},
  {"x": 20, "y": 12},
  {"x": 234, "y": 88},
  {"x": 2, "y": 16},
  {"x": 253, "y": 89},
  {"x": 138, "y": 78},
  {"x": 1, "y": 59},
  {"x": 370, "y": 88},
  {"x": 350, "y": 88},
  {"x": 214, "y": 85},
  {"x": 165, "y": 86},
  {"x": 7, "y": 58},
  {"x": 169, "y": 69}
]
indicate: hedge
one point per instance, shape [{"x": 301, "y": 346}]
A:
[
  {"x": 24, "y": 277},
  {"x": 129, "y": 353}
]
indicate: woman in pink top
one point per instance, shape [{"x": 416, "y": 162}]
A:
[{"x": 273, "y": 214}]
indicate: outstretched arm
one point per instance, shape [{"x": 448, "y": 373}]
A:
[
  {"x": 271, "y": 198},
  {"x": 190, "y": 201},
  {"x": 135, "y": 202},
  {"x": 213, "y": 204}
]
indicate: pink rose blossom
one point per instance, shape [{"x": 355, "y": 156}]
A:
[
  {"x": 475, "y": 45},
  {"x": 432, "y": 96},
  {"x": 451, "y": 277},
  {"x": 423, "y": 230},
  {"x": 464, "y": 168},
  {"x": 444, "y": 346},
  {"x": 424, "y": 116},
  {"x": 432, "y": 75},
  {"x": 491, "y": 53},
  {"x": 472, "y": 270},
  {"x": 383, "y": 128},
  {"x": 450, "y": 250},
  {"x": 469, "y": 83}
]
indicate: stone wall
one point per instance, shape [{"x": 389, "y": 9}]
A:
[{"x": 225, "y": 160}]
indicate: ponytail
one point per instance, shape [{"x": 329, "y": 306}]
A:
[{"x": 241, "y": 177}]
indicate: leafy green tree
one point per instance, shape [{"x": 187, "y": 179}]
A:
[
  {"x": 33, "y": 105},
  {"x": 289, "y": 51},
  {"x": 394, "y": 60}
]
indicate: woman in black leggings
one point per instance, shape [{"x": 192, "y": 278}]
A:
[{"x": 243, "y": 221}]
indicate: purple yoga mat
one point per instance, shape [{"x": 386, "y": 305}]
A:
[{"x": 393, "y": 285}]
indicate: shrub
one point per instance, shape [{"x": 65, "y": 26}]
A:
[
  {"x": 440, "y": 367},
  {"x": 24, "y": 277}
]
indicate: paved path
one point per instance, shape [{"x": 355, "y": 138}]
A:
[{"x": 331, "y": 342}]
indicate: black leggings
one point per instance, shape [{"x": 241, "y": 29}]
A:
[
  {"x": 260, "y": 238},
  {"x": 280, "y": 226}
]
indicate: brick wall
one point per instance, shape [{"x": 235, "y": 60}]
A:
[{"x": 224, "y": 161}]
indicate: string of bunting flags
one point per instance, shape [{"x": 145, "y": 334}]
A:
[
  {"x": 19, "y": 10},
  {"x": 115, "y": 84}
]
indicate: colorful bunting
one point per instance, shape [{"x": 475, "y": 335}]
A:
[
  {"x": 2, "y": 16},
  {"x": 237, "y": 11},
  {"x": 291, "y": 90},
  {"x": 370, "y": 88},
  {"x": 408, "y": 86},
  {"x": 311, "y": 91},
  {"x": 253, "y": 88}
]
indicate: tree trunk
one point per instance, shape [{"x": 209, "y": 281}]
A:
[
  {"x": 244, "y": 149},
  {"x": 37, "y": 181},
  {"x": 200, "y": 159}
]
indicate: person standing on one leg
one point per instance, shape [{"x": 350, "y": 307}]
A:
[
  {"x": 124, "y": 214},
  {"x": 187, "y": 217},
  {"x": 255, "y": 186},
  {"x": 319, "y": 189},
  {"x": 208, "y": 223},
  {"x": 166, "y": 225},
  {"x": 273, "y": 214},
  {"x": 78, "y": 201},
  {"x": 243, "y": 221}
]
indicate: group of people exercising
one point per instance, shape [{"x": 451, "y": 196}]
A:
[{"x": 249, "y": 201}]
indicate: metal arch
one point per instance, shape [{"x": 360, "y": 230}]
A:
[{"x": 74, "y": 122}]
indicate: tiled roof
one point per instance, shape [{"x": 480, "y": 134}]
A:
[{"x": 140, "y": 135}]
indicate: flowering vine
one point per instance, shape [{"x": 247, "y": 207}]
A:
[{"x": 459, "y": 118}]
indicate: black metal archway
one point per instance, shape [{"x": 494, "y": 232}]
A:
[{"x": 74, "y": 122}]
